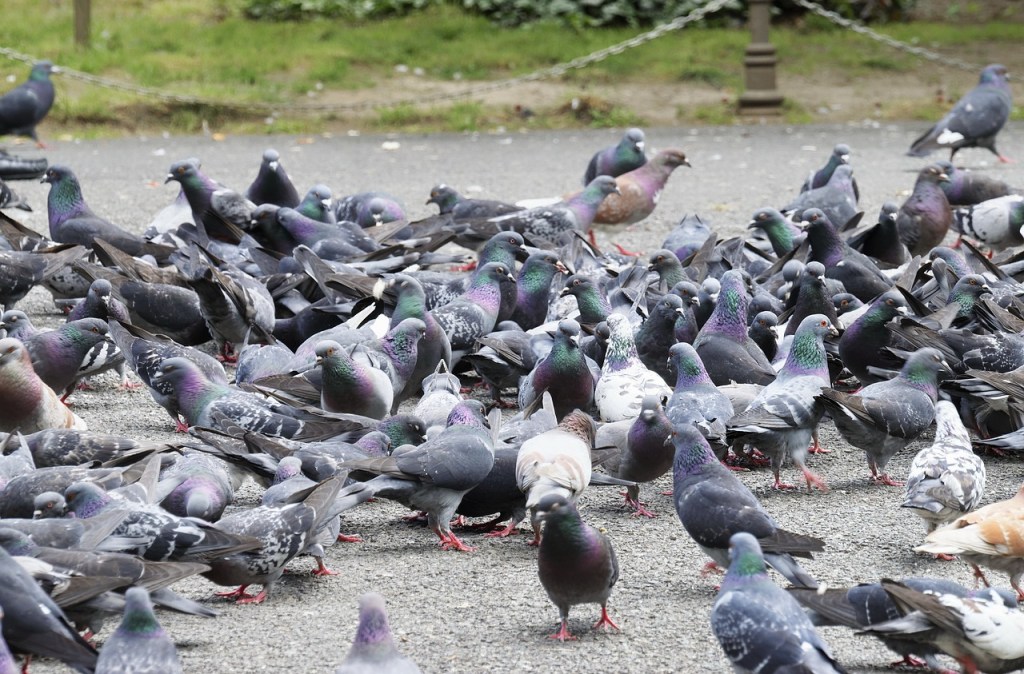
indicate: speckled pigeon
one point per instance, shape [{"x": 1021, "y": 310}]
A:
[
  {"x": 34, "y": 624},
  {"x": 862, "y": 344},
  {"x": 626, "y": 155},
  {"x": 272, "y": 184},
  {"x": 23, "y": 107},
  {"x": 760, "y": 627},
  {"x": 475, "y": 312},
  {"x": 995, "y": 223},
  {"x": 638, "y": 190},
  {"x": 946, "y": 479},
  {"x": 576, "y": 563},
  {"x": 924, "y": 218},
  {"x": 551, "y": 223},
  {"x": 72, "y": 221},
  {"x": 283, "y": 532},
  {"x": 713, "y": 504},
  {"x": 885, "y": 417},
  {"x": 373, "y": 648},
  {"x": 435, "y": 475},
  {"x": 26, "y": 402},
  {"x": 783, "y": 416},
  {"x": 21, "y": 271},
  {"x": 139, "y": 644},
  {"x": 696, "y": 400},
  {"x": 722, "y": 343},
  {"x": 974, "y": 121},
  {"x": 625, "y": 380}
]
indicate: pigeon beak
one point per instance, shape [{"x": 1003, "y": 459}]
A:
[
  {"x": 521, "y": 253},
  {"x": 686, "y": 163},
  {"x": 616, "y": 190},
  {"x": 170, "y": 177},
  {"x": 681, "y": 311},
  {"x": 650, "y": 267},
  {"x": 319, "y": 361},
  {"x": 640, "y": 145},
  {"x": 510, "y": 277},
  {"x": 943, "y": 178},
  {"x": 561, "y": 267},
  {"x": 752, "y": 224},
  {"x": 326, "y": 203},
  {"x": 903, "y": 311},
  {"x": 273, "y": 166},
  {"x": 845, "y": 158},
  {"x": 563, "y": 292},
  {"x": 985, "y": 288},
  {"x": 832, "y": 331}
]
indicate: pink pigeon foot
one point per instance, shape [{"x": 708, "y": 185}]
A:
[
  {"x": 321, "y": 569},
  {"x": 605, "y": 621},
  {"x": 509, "y": 530},
  {"x": 349, "y": 538},
  {"x": 452, "y": 542},
  {"x": 563, "y": 633}
]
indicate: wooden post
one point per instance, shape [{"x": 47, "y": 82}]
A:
[
  {"x": 761, "y": 97},
  {"x": 83, "y": 10}
]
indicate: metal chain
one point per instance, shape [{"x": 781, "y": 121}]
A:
[
  {"x": 545, "y": 73},
  {"x": 885, "y": 39}
]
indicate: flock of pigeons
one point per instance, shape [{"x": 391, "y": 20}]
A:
[{"x": 350, "y": 356}]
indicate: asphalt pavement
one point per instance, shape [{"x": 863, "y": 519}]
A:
[{"x": 486, "y": 611}]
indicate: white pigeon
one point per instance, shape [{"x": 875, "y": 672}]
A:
[
  {"x": 625, "y": 380},
  {"x": 946, "y": 479},
  {"x": 556, "y": 462},
  {"x": 996, "y": 222}
]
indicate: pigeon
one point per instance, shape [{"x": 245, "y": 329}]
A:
[
  {"x": 576, "y": 563},
  {"x": 946, "y": 479},
  {"x": 924, "y": 218},
  {"x": 591, "y": 300},
  {"x": 858, "y": 274},
  {"x": 713, "y": 505},
  {"x": 991, "y": 536},
  {"x": 282, "y": 531},
  {"x": 638, "y": 190},
  {"x": 450, "y": 202},
  {"x": 534, "y": 284},
  {"x": 974, "y": 121},
  {"x": 641, "y": 452},
  {"x": 554, "y": 222},
  {"x": 236, "y": 308},
  {"x": 861, "y": 606},
  {"x": 784, "y": 415},
  {"x": 145, "y": 352},
  {"x": 272, "y": 184},
  {"x": 782, "y": 234},
  {"x": 475, "y": 312},
  {"x": 966, "y": 188},
  {"x": 981, "y": 631},
  {"x": 373, "y": 648},
  {"x": 72, "y": 221},
  {"x": 760, "y": 627},
  {"x": 621, "y": 158},
  {"x": 357, "y": 208},
  {"x": 22, "y": 108},
  {"x": 435, "y": 475},
  {"x": 219, "y": 213},
  {"x": 812, "y": 297},
  {"x": 441, "y": 393},
  {"x": 696, "y": 400},
  {"x": 59, "y": 356},
  {"x": 34, "y": 624},
  {"x": 881, "y": 241},
  {"x": 840, "y": 155},
  {"x": 318, "y": 205},
  {"x": 885, "y": 417},
  {"x": 689, "y": 234},
  {"x": 625, "y": 380},
  {"x": 668, "y": 267},
  {"x": 995, "y": 223},
  {"x": 563, "y": 372},
  {"x": 11, "y": 199},
  {"x": 196, "y": 485},
  {"x": 26, "y": 402},
  {"x": 763, "y": 331},
  {"x": 862, "y": 344},
  {"x": 20, "y": 271},
  {"x": 139, "y": 644},
  {"x": 836, "y": 198},
  {"x": 657, "y": 335},
  {"x": 729, "y": 355},
  {"x": 556, "y": 462},
  {"x": 351, "y": 384}
]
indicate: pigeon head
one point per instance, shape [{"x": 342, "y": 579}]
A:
[
  {"x": 403, "y": 429},
  {"x": 922, "y": 370},
  {"x": 504, "y": 247},
  {"x": 970, "y": 286},
  {"x": 101, "y": 290},
  {"x": 670, "y": 159},
  {"x": 650, "y": 409},
  {"x": 996, "y": 74},
  {"x": 445, "y": 197},
  {"x": 807, "y": 353},
  {"x": 374, "y": 443},
  {"x": 540, "y": 267},
  {"x": 185, "y": 172},
  {"x": 47, "y": 505},
  {"x": 767, "y": 321},
  {"x": 767, "y": 219},
  {"x": 953, "y": 259},
  {"x": 317, "y": 202},
  {"x": 668, "y": 308},
  {"x": 179, "y": 372},
  {"x": 745, "y": 556},
  {"x": 13, "y": 351},
  {"x": 888, "y": 212},
  {"x": 41, "y": 71},
  {"x": 288, "y": 467},
  {"x": 580, "y": 424},
  {"x": 845, "y": 303},
  {"x": 553, "y": 506},
  {"x": 932, "y": 174},
  {"x": 492, "y": 273},
  {"x": 326, "y": 349},
  {"x": 636, "y": 138},
  {"x": 600, "y": 187},
  {"x": 663, "y": 260},
  {"x": 693, "y": 452},
  {"x": 885, "y": 307},
  {"x": 17, "y": 323},
  {"x": 468, "y": 413},
  {"x": 687, "y": 365},
  {"x": 373, "y": 629},
  {"x": 815, "y": 216},
  {"x": 841, "y": 152},
  {"x": 688, "y": 292},
  {"x": 57, "y": 174},
  {"x": 271, "y": 157},
  {"x": 85, "y": 499},
  {"x": 17, "y": 543},
  {"x": 138, "y": 614}
]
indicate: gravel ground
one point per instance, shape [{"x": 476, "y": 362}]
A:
[{"x": 486, "y": 611}]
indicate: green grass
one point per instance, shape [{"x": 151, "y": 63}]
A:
[{"x": 207, "y": 49}]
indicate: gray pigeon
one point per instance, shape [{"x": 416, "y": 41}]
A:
[
  {"x": 621, "y": 158},
  {"x": 272, "y": 184},
  {"x": 885, "y": 417},
  {"x": 139, "y": 645},
  {"x": 995, "y": 222},
  {"x": 713, "y": 504},
  {"x": 23, "y": 107},
  {"x": 576, "y": 563},
  {"x": 759, "y": 625},
  {"x": 837, "y": 198},
  {"x": 974, "y": 121},
  {"x": 947, "y": 479},
  {"x": 924, "y": 218},
  {"x": 373, "y": 649},
  {"x": 237, "y": 308}
]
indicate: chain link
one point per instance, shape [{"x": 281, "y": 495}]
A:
[
  {"x": 926, "y": 54},
  {"x": 542, "y": 74}
]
